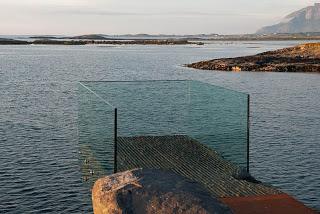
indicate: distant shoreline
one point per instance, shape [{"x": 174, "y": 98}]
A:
[
  {"x": 4, "y": 41},
  {"x": 138, "y": 41},
  {"x": 146, "y": 39},
  {"x": 100, "y": 42}
]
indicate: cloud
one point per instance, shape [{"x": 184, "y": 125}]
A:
[
  {"x": 127, "y": 16},
  {"x": 37, "y": 3},
  {"x": 95, "y": 12}
]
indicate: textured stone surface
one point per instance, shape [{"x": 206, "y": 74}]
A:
[{"x": 152, "y": 191}]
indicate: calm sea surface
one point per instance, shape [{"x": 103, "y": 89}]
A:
[{"x": 39, "y": 170}]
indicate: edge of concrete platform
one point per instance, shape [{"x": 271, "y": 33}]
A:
[{"x": 273, "y": 204}]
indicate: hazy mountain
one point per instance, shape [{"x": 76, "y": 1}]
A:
[{"x": 304, "y": 20}]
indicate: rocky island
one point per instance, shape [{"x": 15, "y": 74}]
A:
[
  {"x": 301, "y": 58},
  {"x": 45, "y": 41},
  {"x": 4, "y": 41}
]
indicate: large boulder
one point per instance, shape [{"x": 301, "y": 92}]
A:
[{"x": 152, "y": 191}]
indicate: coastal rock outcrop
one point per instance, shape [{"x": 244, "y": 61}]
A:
[
  {"x": 301, "y": 58},
  {"x": 152, "y": 191}
]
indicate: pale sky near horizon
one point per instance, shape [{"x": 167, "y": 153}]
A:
[{"x": 73, "y": 17}]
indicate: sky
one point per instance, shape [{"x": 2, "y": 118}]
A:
[{"x": 75, "y": 17}]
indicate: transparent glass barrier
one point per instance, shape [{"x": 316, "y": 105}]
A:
[
  {"x": 211, "y": 115},
  {"x": 218, "y": 117},
  {"x": 146, "y": 108},
  {"x": 96, "y": 135}
]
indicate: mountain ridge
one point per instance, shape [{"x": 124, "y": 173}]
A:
[{"x": 301, "y": 21}]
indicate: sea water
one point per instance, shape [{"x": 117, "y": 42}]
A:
[{"x": 39, "y": 168}]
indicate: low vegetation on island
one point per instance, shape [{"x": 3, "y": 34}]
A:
[{"x": 301, "y": 58}]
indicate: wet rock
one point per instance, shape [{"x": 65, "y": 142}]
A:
[
  {"x": 152, "y": 191},
  {"x": 243, "y": 174}
]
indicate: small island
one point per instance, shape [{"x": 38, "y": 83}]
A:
[
  {"x": 301, "y": 58},
  {"x": 97, "y": 41},
  {"x": 4, "y": 41}
]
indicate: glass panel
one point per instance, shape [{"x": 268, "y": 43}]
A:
[
  {"x": 96, "y": 135},
  {"x": 218, "y": 118},
  {"x": 163, "y": 111},
  {"x": 146, "y": 108}
]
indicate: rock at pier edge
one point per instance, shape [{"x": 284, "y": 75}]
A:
[{"x": 149, "y": 191}]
